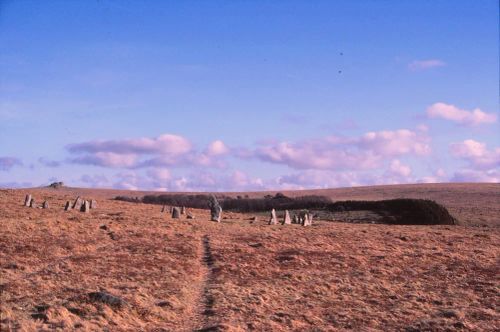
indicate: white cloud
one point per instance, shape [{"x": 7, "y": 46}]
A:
[
  {"x": 334, "y": 153},
  {"x": 483, "y": 163},
  {"x": 217, "y": 148},
  {"x": 417, "y": 65},
  {"x": 106, "y": 159},
  {"x": 399, "y": 169},
  {"x": 164, "y": 144},
  {"x": 163, "y": 151},
  {"x": 476, "y": 153},
  {"x": 395, "y": 143},
  {"x": 460, "y": 116}
]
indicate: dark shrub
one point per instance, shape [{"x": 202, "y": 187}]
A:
[
  {"x": 128, "y": 199},
  {"x": 278, "y": 202},
  {"x": 193, "y": 201},
  {"x": 240, "y": 204},
  {"x": 404, "y": 211}
]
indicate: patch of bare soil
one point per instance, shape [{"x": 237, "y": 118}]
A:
[{"x": 128, "y": 267}]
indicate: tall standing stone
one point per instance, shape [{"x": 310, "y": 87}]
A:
[
  {"x": 273, "y": 220},
  {"x": 45, "y": 205},
  {"x": 77, "y": 205},
  {"x": 32, "y": 203},
  {"x": 215, "y": 209},
  {"x": 176, "y": 213},
  {"x": 183, "y": 210},
  {"x": 163, "y": 208},
  {"x": 286, "y": 219},
  {"x": 93, "y": 204},
  {"x": 307, "y": 221},
  {"x": 27, "y": 200},
  {"x": 67, "y": 207},
  {"x": 85, "y": 207}
]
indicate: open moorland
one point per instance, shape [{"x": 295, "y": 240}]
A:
[{"x": 128, "y": 267}]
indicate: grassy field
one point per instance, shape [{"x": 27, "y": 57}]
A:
[{"x": 241, "y": 275}]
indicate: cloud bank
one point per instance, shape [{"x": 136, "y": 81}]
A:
[
  {"x": 334, "y": 153},
  {"x": 166, "y": 150}
]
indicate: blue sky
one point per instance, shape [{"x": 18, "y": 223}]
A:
[{"x": 248, "y": 95}]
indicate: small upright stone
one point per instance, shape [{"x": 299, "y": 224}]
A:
[
  {"x": 27, "y": 200},
  {"x": 183, "y": 210},
  {"x": 176, "y": 213},
  {"x": 286, "y": 219},
  {"x": 77, "y": 205},
  {"x": 32, "y": 203},
  {"x": 273, "y": 220},
  {"x": 93, "y": 204},
  {"x": 67, "y": 207},
  {"x": 164, "y": 208},
  {"x": 215, "y": 209},
  {"x": 45, "y": 205},
  {"x": 85, "y": 207}
]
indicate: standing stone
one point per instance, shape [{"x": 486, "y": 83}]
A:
[
  {"x": 176, "y": 213},
  {"x": 307, "y": 220},
  {"x": 85, "y": 207},
  {"x": 215, "y": 209},
  {"x": 183, "y": 210},
  {"x": 170, "y": 209},
  {"x": 45, "y": 205},
  {"x": 304, "y": 221},
  {"x": 273, "y": 220},
  {"x": 67, "y": 207},
  {"x": 77, "y": 205},
  {"x": 32, "y": 203},
  {"x": 286, "y": 219},
  {"x": 93, "y": 204},
  {"x": 164, "y": 208},
  {"x": 27, "y": 200}
]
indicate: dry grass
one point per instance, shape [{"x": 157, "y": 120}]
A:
[{"x": 246, "y": 276}]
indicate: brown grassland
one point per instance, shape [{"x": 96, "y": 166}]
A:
[{"x": 240, "y": 275}]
